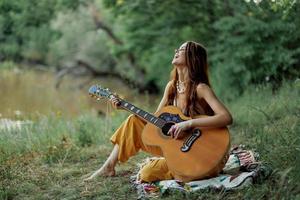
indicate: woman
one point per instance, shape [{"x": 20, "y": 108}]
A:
[{"x": 189, "y": 90}]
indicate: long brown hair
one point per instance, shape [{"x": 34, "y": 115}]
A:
[{"x": 196, "y": 61}]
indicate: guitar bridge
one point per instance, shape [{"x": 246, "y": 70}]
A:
[{"x": 190, "y": 140}]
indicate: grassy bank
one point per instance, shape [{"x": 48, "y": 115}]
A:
[{"x": 49, "y": 158}]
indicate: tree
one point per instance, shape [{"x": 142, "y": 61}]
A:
[{"x": 25, "y": 33}]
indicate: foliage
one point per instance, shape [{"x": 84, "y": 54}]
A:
[
  {"x": 253, "y": 47},
  {"x": 25, "y": 32},
  {"x": 171, "y": 24},
  {"x": 79, "y": 41},
  {"x": 248, "y": 42}
]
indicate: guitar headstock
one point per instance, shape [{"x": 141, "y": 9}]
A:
[{"x": 98, "y": 92}]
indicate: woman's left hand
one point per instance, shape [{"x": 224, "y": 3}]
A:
[{"x": 177, "y": 131}]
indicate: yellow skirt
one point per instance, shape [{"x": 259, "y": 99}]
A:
[{"x": 129, "y": 138}]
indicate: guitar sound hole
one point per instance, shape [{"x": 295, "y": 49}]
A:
[{"x": 166, "y": 128}]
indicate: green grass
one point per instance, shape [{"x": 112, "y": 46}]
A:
[{"x": 49, "y": 159}]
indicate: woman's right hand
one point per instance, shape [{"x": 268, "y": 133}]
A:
[{"x": 115, "y": 102}]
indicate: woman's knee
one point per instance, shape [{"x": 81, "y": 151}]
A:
[
  {"x": 154, "y": 170},
  {"x": 132, "y": 117},
  {"x": 146, "y": 175}
]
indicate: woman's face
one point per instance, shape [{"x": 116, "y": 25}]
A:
[{"x": 179, "y": 57}]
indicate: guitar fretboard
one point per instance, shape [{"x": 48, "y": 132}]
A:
[{"x": 141, "y": 113}]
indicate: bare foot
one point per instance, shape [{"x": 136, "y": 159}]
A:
[
  {"x": 108, "y": 168},
  {"x": 103, "y": 171}
]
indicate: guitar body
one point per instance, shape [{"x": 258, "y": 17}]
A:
[{"x": 202, "y": 155}]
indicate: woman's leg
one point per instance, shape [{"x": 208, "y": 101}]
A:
[
  {"x": 108, "y": 168},
  {"x": 155, "y": 170},
  {"x": 127, "y": 141}
]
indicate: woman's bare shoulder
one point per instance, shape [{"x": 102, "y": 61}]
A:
[
  {"x": 167, "y": 88},
  {"x": 169, "y": 84},
  {"x": 203, "y": 90}
]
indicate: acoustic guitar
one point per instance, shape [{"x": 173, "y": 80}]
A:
[{"x": 194, "y": 156}]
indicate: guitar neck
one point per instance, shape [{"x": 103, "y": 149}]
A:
[{"x": 142, "y": 114}]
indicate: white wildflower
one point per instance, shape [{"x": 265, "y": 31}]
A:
[
  {"x": 267, "y": 78},
  {"x": 18, "y": 113},
  {"x": 257, "y": 1},
  {"x": 8, "y": 124}
]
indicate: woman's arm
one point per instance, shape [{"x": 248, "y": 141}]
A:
[
  {"x": 222, "y": 116},
  {"x": 165, "y": 97}
]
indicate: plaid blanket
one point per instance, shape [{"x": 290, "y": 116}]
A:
[{"x": 242, "y": 169}]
